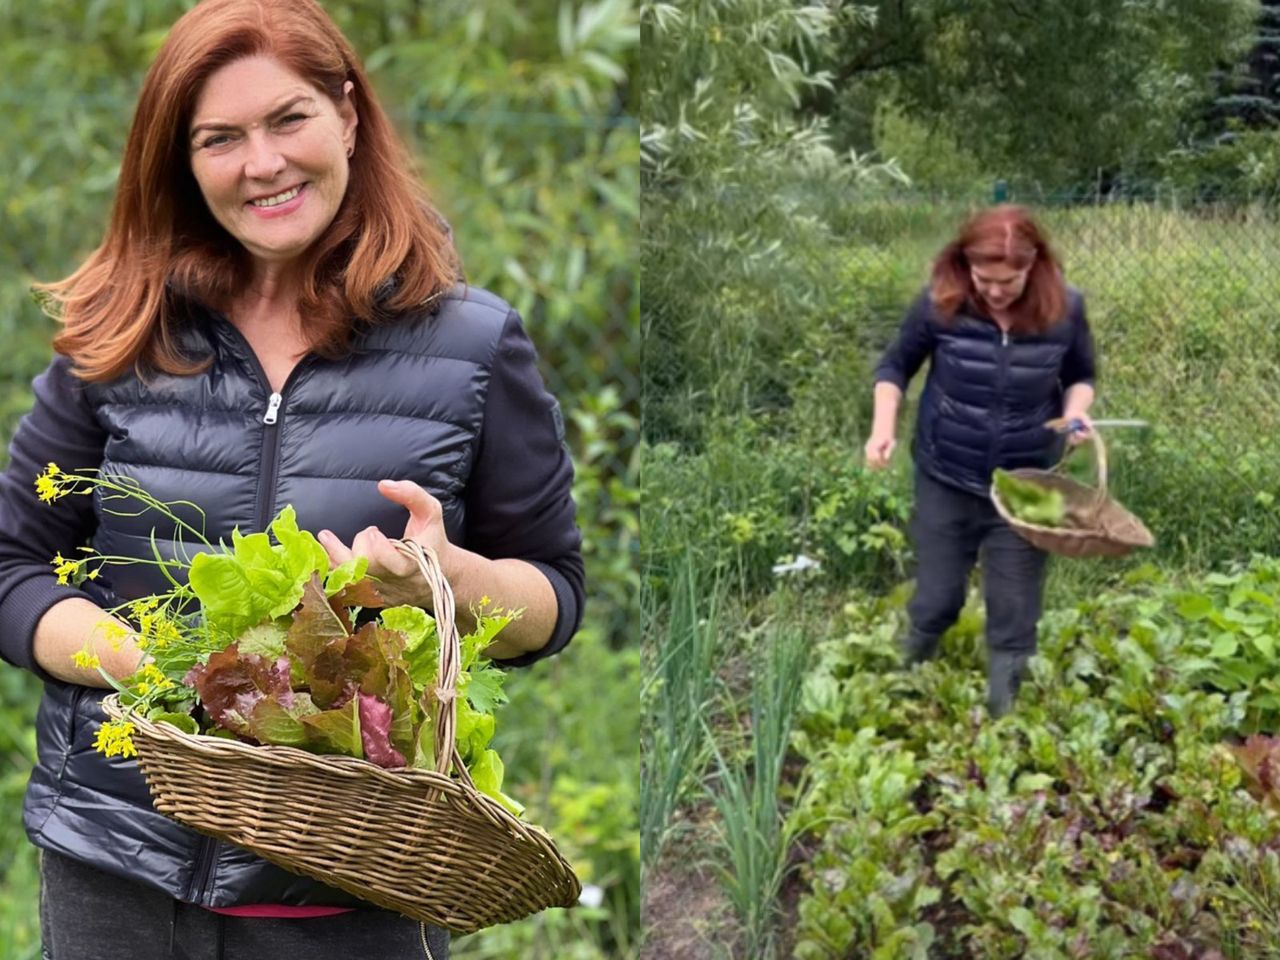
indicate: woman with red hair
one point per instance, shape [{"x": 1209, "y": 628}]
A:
[
  {"x": 1009, "y": 348},
  {"x": 275, "y": 315}
]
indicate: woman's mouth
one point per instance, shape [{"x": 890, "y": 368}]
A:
[{"x": 279, "y": 204}]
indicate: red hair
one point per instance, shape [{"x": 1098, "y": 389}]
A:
[
  {"x": 1006, "y": 235},
  {"x": 119, "y": 308}
]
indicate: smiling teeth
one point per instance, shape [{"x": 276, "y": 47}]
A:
[{"x": 278, "y": 199}]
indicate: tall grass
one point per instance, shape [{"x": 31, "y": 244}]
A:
[
  {"x": 680, "y": 685},
  {"x": 754, "y": 840}
]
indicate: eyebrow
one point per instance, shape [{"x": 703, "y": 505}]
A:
[{"x": 271, "y": 115}]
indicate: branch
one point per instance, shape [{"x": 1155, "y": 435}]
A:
[
  {"x": 1022, "y": 13},
  {"x": 882, "y": 56},
  {"x": 855, "y": 68}
]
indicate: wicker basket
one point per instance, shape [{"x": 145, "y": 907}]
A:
[
  {"x": 1100, "y": 527},
  {"x": 415, "y": 841}
]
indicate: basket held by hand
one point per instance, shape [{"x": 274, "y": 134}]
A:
[
  {"x": 418, "y": 842},
  {"x": 1097, "y": 526}
]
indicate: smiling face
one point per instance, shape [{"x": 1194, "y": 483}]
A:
[
  {"x": 270, "y": 154},
  {"x": 999, "y": 284}
]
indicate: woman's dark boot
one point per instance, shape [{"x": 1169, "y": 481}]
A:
[
  {"x": 1004, "y": 675},
  {"x": 917, "y": 648}
]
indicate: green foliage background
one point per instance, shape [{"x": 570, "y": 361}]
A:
[
  {"x": 1051, "y": 92},
  {"x": 520, "y": 116},
  {"x": 777, "y": 264}
]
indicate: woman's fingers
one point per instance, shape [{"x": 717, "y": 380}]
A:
[
  {"x": 878, "y": 451},
  {"x": 426, "y": 515},
  {"x": 422, "y": 506},
  {"x": 337, "y": 550},
  {"x": 1083, "y": 431},
  {"x": 371, "y": 543},
  {"x": 401, "y": 581},
  {"x": 384, "y": 559}
]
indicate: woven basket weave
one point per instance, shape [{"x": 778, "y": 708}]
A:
[
  {"x": 415, "y": 841},
  {"x": 1100, "y": 527}
]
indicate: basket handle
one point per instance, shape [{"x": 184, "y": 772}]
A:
[
  {"x": 446, "y": 689},
  {"x": 1100, "y": 458}
]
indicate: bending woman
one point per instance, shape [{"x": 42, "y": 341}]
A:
[{"x": 1009, "y": 348}]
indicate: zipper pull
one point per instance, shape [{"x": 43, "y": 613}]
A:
[
  {"x": 1004, "y": 337},
  {"x": 272, "y": 406}
]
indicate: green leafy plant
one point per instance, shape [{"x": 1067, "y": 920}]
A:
[
  {"x": 1104, "y": 817},
  {"x": 264, "y": 642},
  {"x": 1030, "y": 501}
]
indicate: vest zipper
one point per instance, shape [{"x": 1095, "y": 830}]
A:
[
  {"x": 273, "y": 405},
  {"x": 1002, "y": 375},
  {"x": 426, "y": 949},
  {"x": 272, "y": 424},
  {"x": 206, "y": 857},
  {"x": 268, "y": 463}
]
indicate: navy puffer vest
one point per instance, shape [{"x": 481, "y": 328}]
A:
[
  {"x": 987, "y": 397},
  {"x": 407, "y": 404}
]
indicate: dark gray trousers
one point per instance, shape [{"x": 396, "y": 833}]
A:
[
  {"x": 86, "y": 914},
  {"x": 951, "y": 529}
]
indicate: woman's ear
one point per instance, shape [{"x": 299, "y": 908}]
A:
[{"x": 347, "y": 111}]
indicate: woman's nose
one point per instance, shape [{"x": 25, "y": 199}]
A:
[{"x": 264, "y": 161}]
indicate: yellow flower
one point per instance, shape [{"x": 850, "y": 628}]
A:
[
  {"x": 151, "y": 679},
  {"x": 115, "y": 738},
  {"x": 64, "y": 567},
  {"x": 167, "y": 632},
  {"x": 141, "y": 610},
  {"x": 48, "y": 487},
  {"x": 87, "y": 660}
]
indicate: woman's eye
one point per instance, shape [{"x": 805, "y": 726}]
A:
[
  {"x": 216, "y": 140},
  {"x": 293, "y": 118}
]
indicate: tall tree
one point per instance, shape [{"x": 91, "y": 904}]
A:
[
  {"x": 1249, "y": 94},
  {"x": 734, "y": 184},
  {"x": 1052, "y": 91}
]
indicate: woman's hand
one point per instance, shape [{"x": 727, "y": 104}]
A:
[
  {"x": 399, "y": 580},
  {"x": 879, "y": 449},
  {"x": 1085, "y": 432}
]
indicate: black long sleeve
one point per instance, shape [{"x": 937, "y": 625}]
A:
[
  {"x": 61, "y": 429},
  {"x": 518, "y": 497},
  {"x": 1079, "y": 364},
  {"x": 913, "y": 345}
]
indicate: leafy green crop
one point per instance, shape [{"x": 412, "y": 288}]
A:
[
  {"x": 266, "y": 643},
  {"x": 1029, "y": 501},
  {"x": 1109, "y": 815}
]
